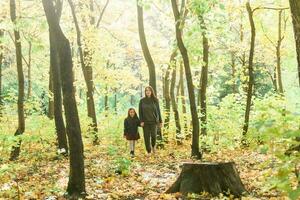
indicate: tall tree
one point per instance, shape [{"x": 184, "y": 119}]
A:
[
  {"x": 295, "y": 10},
  {"x": 183, "y": 103},
  {"x": 29, "y": 87},
  {"x": 195, "y": 140},
  {"x": 1, "y": 63},
  {"x": 278, "y": 52},
  {"x": 174, "y": 104},
  {"x": 87, "y": 70},
  {"x": 76, "y": 184},
  {"x": 21, "y": 119},
  {"x": 203, "y": 79},
  {"x": 55, "y": 80},
  {"x": 250, "y": 69},
  {"x": 167, "y": 89},
  {"x": 143, "y": 41},
  {"x": 277, "y": 77}
]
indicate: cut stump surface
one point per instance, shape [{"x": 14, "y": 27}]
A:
[{"x": 214, "y": 178}]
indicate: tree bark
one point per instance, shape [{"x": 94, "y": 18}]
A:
[
  {"x": 1, "y": 63},
  {"x": 88, "y": 75},
  {"x": 57, "y": 97},
  {"x": 76, "y": 184},
  {"x": 250, "y": 69},
  {"x": 116, "y": 102},
  {"x": 183, "y": 103},
  {"x": 295, "y": 10},
  {"x": 106, "y": 108},
  {"x": 51, "y": 96},
  {"x": 21, "y": 119},
  {"x": 144, "y": 45},
  {"x": 233, "y": 69},
  {"x": 204, "y": 74},
  {"x": 195, "y": 140},
  {"x": 278, "y": 53},
  {"x": 174, "y": 105},
  {"x": 213, "y": 178},
  {"x": 29, "y": 70},
  {"x": 167, "y": 90}
]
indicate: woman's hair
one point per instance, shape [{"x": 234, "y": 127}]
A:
[
  {"x": 152, "y": 93},
  {"x": 128, "y": 115}
]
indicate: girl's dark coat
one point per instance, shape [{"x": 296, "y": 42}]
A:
[{"x": 131, "y": 128}]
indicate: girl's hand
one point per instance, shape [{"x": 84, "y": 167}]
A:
[
  {"x": 160, "y": 125},
  {"x": 142, "y": 124}
]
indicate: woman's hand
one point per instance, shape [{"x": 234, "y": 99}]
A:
[
  {"x": 142, "y": 124},
  {"x": 160, "y": 125}
]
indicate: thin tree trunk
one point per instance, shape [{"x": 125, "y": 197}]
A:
[
  {"x": 250, "y": 69},
  {"x": 274, "y": 80},
  {"x": 76, "y": 184},
  {"x": 278, "y": 53},
  {"x": 167, "y": 89},
  {"x": 183, "y": 103},
  {"x": 243, "y": 56},
  {"x": 116, "y": 102},
  {"x": 21, "y": 119},
  {"x": 29, "y": 70},
  {"x": 1, "y": 63},
  {"x": 204, "y": 73},
  {"x": 88, "y": 75},
  {"x": 106, "y": 108},
  {"x": 233, "y": 68},
  {"x": 174, "y": 105},
  {"x": 146, "y": 52},
  {"x": 295, "y": 10},
  {"x": 195, "y": 140}
]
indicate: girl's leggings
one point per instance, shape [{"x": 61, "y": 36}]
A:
[{"x": 131, "y": 145}]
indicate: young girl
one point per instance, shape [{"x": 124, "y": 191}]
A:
[{"x": 131, "y": 133}]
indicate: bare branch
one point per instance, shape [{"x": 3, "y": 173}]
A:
[{"x": 102, "y": 13}]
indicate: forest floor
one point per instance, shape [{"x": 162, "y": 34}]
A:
[{"x": 41, "y": 173}]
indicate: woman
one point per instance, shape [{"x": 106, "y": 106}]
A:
[{"x": 150, "y": 117}]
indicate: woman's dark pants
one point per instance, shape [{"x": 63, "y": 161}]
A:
[{"x": 150, "y": 132}]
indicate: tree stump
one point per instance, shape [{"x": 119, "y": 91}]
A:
[{"x": 214, "y": 178}]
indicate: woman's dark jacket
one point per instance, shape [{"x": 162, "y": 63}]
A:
[
  {"x": 149, "y": 111},
  {"x": 131, "y": 125}
]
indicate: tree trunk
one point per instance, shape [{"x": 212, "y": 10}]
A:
[
  {"x": 1, "y": 63},
  {"x": 167, "y": 90},
  {"x": 195, "y": 140},
  {"x": 204, "y": 73},
  {"x": 295, "y": 10},
  {"x": 278, "y": 53},
  {"x": 146, "y": 52},
  {"x": 233, "y": 69},
  {"x": 250, "y": 70},
  {"x": 29, "y": 70},
  {"x": 106, "y": 108},
  {"x": 76, "y": 184},
  {"x": 56, "y": 81},
  {"x": 183, "y": 103},
  {"x": 174, "y": 105},
  {"x": 213, "y": 178},
  {"x": 116, "y": 102},
  {"x": 51, "y": 94},
  {"x": 88, "y": 75},
  {"x": 21, "y": 119}
]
